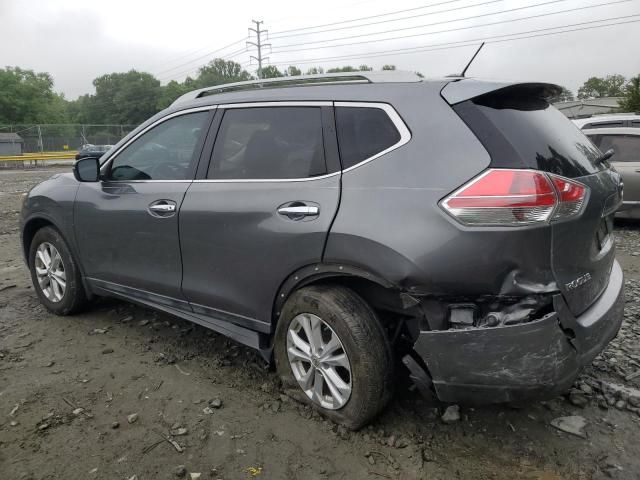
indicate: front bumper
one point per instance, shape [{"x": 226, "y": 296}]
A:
[{"x": 538, "y": 359}]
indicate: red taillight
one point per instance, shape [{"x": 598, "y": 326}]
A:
[
  {"x": 515, "y": 197},
  {"x": 571, "y": 196}
]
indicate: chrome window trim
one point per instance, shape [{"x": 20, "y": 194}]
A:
[
  {"x": 145, "y": 130},
  {"x": 405, "y": 136},
  {"x": 146, "y": 181},
  {"x": 311, "y": 103},
  {"x": 267, "y": 180},
  {"x": 403, "y": 130}
]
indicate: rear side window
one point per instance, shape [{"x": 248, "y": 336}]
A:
[
  {"x": 522, "y": 130},
  {"x": 627, "y": 147},
  {"x": 269, "y": 143},
  {"x": 363, "y": 132}
]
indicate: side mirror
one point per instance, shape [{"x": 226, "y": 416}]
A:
[{"x": 87, "y": 169}]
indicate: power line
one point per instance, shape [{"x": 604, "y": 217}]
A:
[
  {"x": 185, "y": 55},
  {"x": 442, "y": 22},
  {"x": 452, "y": 29},
  {"x": 177, "y": 74},
  {"x": 391, "y": 20},
  {"x": 201, "y": 57},
  {"x": 194, "y": 69},
  {"x": 464, "y": 43},
  {"x": 366, "y": 18},
  {"x": 259, "y": 44}
]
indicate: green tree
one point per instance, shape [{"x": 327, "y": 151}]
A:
[
  {"x": 365, "y": 68},
  {"x": 347, "y": 68},
  {"x": 565, "y": 95},
  {"x": 596, "y": 87},
  {"x": 631, "y": 100},
  {"x": 220, "y": 71},
  {"x": 293, "y": 71},
  {"x": 171, "y": 91},
  {"x": 615, "y": 85},
  {"x": 124, "y": 98},
  {"x": 78, "y": 109},
  {"x": 315, "y": 71},
  {"x": 28, "y": 97},
  {"x": 271, "y": 72}
]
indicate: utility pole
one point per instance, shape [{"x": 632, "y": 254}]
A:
[{"x": 259, "y": 44}]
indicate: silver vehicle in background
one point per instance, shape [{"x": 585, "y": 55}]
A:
[
  {"x": 614, "y": 120},
  {"x": 625, "y": 142}
]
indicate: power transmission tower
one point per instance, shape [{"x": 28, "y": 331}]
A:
[{"x": 259, "y": 44}]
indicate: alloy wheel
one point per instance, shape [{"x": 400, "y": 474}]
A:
[
  {"x": 319, "y": 361},
  {"x": 50, "y": 272}
]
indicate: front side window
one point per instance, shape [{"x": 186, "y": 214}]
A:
[
  {"x": 269, "y": 143},
  {"x": 626, "y": 147},
  {"x": 166, "y": 152},
  {"x": 363, "y": 132}
]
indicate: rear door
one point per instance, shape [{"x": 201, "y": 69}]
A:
[
  {"x": 261, "y": 210},
  {"x": 626, "y": 159}
]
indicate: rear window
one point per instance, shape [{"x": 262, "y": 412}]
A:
[
  {"x": 363, "y": 132},
  {"x": 525, "y": 131},
  {"x": 627, "y": 147}
]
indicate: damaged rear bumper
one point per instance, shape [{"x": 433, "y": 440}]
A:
[{"x": 533, "y": 360}]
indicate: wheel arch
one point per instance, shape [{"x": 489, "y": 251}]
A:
[
  {"x": 37, "y": 222},
  {"x": 31, "y": 227},
  {"x": 363, "y": 282}
]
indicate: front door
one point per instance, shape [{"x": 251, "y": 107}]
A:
[
  {"x": 262, "y": 211},
  {"x": 126, "y": 225}
]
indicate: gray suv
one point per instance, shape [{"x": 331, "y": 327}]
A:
[{"x": 350, "y": 227}]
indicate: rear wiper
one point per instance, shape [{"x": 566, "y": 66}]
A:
[{"x": 605, "y": 156}]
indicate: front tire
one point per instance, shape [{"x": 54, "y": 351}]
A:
[
  {"x": 332, "y": 353},
  {"x": 55, "y": 274}
]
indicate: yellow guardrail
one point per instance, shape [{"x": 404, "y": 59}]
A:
[{"x": 29, "y": 157}]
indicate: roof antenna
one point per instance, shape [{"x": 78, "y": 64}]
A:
[{"x": 472, "y": 59}]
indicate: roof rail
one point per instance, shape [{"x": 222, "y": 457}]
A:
[{"x": 395, "y": 76}]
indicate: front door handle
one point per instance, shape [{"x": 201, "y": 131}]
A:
[
  {"x": 162, "y": 208},
  {"x": 302, "y": 210}
]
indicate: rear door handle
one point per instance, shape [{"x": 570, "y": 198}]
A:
[
  {"x": 303, "y": 210},
  {"x": 162, "y": 208}
]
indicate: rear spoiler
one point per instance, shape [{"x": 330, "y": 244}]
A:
[{"x": 467, "y": 88}]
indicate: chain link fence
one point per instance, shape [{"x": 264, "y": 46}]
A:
[
  {"x": 52, "y": 139},
  {"x": 61, "y": 137}
]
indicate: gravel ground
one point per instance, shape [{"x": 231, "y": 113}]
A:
[{"x": 121, "y": 392}]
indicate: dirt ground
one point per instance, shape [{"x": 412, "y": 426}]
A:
[{"x": 69, "y": 387}]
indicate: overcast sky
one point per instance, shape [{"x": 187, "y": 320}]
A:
[{"x": 78, "y": 40}]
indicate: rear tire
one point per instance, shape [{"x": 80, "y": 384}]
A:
[
  {"x": 342, "y": 314},
  {"x": 55, "y": 274}
]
